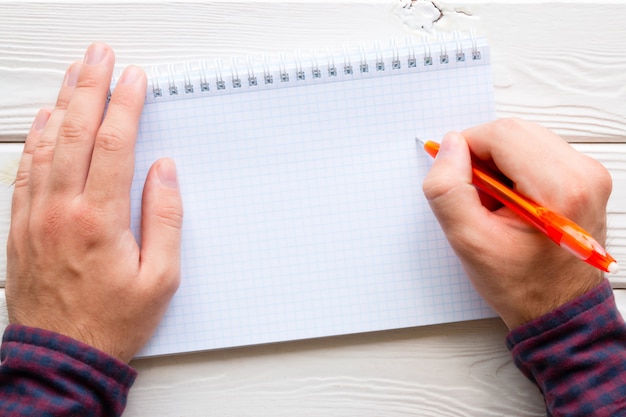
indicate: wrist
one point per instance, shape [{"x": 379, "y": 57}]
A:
[{"x": 547, "y": 296}]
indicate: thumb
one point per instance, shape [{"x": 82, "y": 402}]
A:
[
  {"x": 162, "y": 219},
  {"x": 448, "y": 186}
]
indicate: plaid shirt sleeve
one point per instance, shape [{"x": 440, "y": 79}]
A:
[
  {"x": 576, "y": 355},
  {"x": 48, "y": 374}
]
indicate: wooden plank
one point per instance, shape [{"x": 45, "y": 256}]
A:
[
  {"x": 561, "y": 66},
  {"x": 613, "y": 157},
  {"x": 457, "y": 369}
]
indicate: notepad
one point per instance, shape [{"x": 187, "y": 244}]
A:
[{"x": 301, "y": 183}]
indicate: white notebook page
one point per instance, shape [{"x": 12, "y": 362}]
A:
[{"x": 304, "y": 214}]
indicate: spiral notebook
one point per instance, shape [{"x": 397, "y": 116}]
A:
[{"x": 301, "y": 183}]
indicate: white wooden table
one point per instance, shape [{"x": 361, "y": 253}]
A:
[{"x": 561, "y": 64}]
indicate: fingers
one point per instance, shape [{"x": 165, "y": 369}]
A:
[
  {"x": 162, "y": 215},
  {"x": 21, "y": 192},
  {"x": 452, "y": 197},
  {"x": 81, "y": 121},
  {"x": 112, "y": 163},
  {"x": 67, "y": 89},
  {"x": 43, "y": 153},
  {"x": 538, "y": 161}
]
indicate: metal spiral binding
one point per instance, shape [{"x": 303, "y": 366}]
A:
[
  {"x": 192, "y": 80},
  {"x": 252, "y": 80}
]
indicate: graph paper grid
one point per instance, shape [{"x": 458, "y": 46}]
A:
[{"x": 303, "y": 210}]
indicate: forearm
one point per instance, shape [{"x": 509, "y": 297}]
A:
[
  {"x": 45, "y": 373},
  {"x": 577, "y": 356}
]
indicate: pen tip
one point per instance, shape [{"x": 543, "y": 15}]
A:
[
  {"x": 613, "y": 268},
  {"x": 420, "y": 140}
]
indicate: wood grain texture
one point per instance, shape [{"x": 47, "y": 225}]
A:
[
  {"x": 393, "y": 373},
  {"x": 562, "y": 64},
  {"x": 613, "y": 156}
]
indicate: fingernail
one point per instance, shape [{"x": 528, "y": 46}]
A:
[
  {"x": 95, "y": 54},
  {"x": 449, "y": 144},
  {"x": 167, "y": 173},
  {"x": 71, "y": 76},
  {"x": 130, "y": 75},
  {"x": 41, "y": 119}
]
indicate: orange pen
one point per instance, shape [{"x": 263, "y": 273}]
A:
[{"x": 559, "y": 229}]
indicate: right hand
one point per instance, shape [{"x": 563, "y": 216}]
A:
[{"x": 516, "y": 269}]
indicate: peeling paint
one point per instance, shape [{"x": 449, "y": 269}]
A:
[
  {"x": 430, "y": 16},
  {"x": 419, "y": 14}
]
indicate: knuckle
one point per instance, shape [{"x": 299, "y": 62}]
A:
[
  {"x": 88, "y": 81},
  {"x": 602, "y": 179},
  {"x": 83, "y": 222},
  {"x": 592, "y": 184},
  {"x": 431, "y": 189},
  {"x": 47, "y": 224},
  {"x": 87, "y": 222},
  {"x": 577, "y": 195},
  {"x": 435, "y": 188},
  {"x": 73, "y": 129},
  {"x": 63, "y": 101},
  {"x": 43, "y": 151},
  {"x": 507, "y": 125},
  {"x": 29, "y": 146},
  {"x": 21, "y": 179},
  {"x": 170, "y": 216},
  {"x": 110, "y": 139},
  {"x": 125, "y": 99}
]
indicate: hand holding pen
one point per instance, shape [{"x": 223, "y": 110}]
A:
[
  {"x": 556, "y": 227},
  {"x": 520, "y": 272}
]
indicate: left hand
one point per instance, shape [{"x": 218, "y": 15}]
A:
[{"x": 74, "y": 266}]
